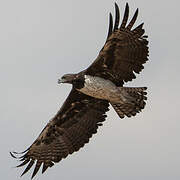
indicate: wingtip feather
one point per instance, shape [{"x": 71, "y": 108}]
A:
[
  {"x": 12, "y": 155},
  {"x": 36, "y": 169},
  {"x": 125, "y": 18},
  {"x": 127, "y": 5},
  {"x": 117, "y": 16},
  {"x": 133, "y": 20},
  {"x": 23, "y": 163},
  {"x": 110, "y": 25},
  {"x": 28, "y": 167},
  {"x": 45, "y": 166}
]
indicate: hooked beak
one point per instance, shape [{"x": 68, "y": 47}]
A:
[{"x": 61, "y": 81}]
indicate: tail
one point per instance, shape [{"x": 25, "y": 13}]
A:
[{"x": 135, "y": 101}]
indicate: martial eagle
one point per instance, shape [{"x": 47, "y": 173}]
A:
[{"x": 93, "y": 90}]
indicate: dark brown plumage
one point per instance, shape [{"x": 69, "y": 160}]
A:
[
  {"x": 73, "y": 125},
  {"x": 124, "y": 52},
  {"x": 123, "y": 55}
]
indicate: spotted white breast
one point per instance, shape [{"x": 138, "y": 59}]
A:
[{"x": 101, "y": 88}]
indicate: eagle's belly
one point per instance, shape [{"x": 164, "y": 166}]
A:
[{"x": 101, "y": 88}]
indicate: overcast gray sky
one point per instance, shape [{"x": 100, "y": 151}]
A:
[{"x": 40, "y": 40}]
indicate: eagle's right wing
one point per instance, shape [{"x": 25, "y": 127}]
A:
[
  {"x": 73, "y": 125},
  {"x": 124, "y": 52}
]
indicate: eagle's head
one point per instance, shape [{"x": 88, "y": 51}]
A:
[
  {"x": 67, "y": 78},
  {"x": 77, "y": 80}
]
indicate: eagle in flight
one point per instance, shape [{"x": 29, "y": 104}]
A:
[{"x": 93, "y": 90}]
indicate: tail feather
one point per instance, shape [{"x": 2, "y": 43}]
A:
[{"x": 136, "y": 98}]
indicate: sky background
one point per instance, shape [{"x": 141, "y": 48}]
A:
[{"x": 40, "y": 40}]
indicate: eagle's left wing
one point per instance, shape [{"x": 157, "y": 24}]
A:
[
  {"x": 124, "y": 52},
  {"x": 73, "y": 125}
]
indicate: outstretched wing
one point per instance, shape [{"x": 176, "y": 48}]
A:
[
  {"x": 124, "y": 52},
  {"x": 76, "y": 121}
]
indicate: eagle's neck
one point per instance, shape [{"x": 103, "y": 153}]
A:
[{"x": 79, "y": 82}]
